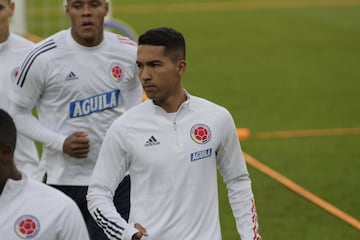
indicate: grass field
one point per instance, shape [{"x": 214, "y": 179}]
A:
[{"x": 277, "y": 65}]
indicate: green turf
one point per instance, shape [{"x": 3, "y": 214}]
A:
[{"x": 274, "y": 68}]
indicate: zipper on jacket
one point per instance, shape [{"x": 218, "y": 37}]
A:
[{"x": 177, "y": 143}]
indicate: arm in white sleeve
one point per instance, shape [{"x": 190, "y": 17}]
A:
[
  {"x": 233, "y": 168},
  {"x": 109, "y": 171},
  {"x": 31, "y": 127},
  {"x": 133, "y": 92},
  {"x": 243, "y": 207}
]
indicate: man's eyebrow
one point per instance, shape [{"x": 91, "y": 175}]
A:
[
  {"x": 154, "y": 60},
  {"x": 149, "y": 62}
]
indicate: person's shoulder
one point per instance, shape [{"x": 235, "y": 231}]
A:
[
  {"x": 205, "y": 103},
  {"x": 207, "y": 107},
  {"x": 43, "y": 195},
  {"x": 145, "y": 106},
  {"x": 48, "y": 193},
  {"x": 49, "y": 46},
  {"x": 20, "y": 40},
  {"x": 20, "y": 43},
  {"x": 140, "y": 111},
  {"x": 120, "y": 40},
  {"x": 53, "y": 40}
]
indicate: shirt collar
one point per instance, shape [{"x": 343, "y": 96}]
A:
[{"x": 182, "y": 106}]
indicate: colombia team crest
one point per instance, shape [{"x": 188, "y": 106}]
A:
[
  {"x": 27, "y": 227},
  {"x": 200, "y": 133},
  {"x": 116, "y": 71},
  {"x": 14, "y": 73}
]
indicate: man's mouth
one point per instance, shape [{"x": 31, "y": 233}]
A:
[
  {"x": 149, "y": 87},
  {"x": 87, "y": 24}
]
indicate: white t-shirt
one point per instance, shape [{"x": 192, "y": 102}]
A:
[
  {"x": 77, "y": 88},
  {"x": 12, "y": 54},
  {"x": 33, "y": 210},
  {"x": 173, "y": 164}
]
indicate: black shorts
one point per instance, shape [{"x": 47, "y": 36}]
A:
[{"x": 121, "y": 202}]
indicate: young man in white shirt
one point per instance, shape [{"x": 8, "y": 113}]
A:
[
  {"x": 80, "y": 79},
  {"x": 30, "y": 209},
  {"x": 172, "y": 145},
  {"x": 13, "y": 49}
]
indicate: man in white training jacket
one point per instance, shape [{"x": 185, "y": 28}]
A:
[
  {"x": 13, "y": 49},
  {"x": 80, "y": 79},
  {"x": 172, "y": 145}
]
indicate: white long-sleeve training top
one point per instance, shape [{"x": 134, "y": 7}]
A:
[
  {"x": 12, "y": 54},
  {"x": 74, "y": 88},
  {"x": 173, "y": 160},
  {"x": 33, "y": 210}
]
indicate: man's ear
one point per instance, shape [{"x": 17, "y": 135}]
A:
[
  {"x": 107, "y": 8},
  {"x": 181, "y": 67},
  {"x": 12, "y": 8},
  {"x": 66, "y": 8},
  {"x": 6, "y": 152}
]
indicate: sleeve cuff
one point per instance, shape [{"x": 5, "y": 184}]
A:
[{"x": 130, "y": 231}]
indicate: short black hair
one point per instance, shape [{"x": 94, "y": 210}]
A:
[
  {"x": 171, "y": 39},
  {"x": 7, "y": 129}
]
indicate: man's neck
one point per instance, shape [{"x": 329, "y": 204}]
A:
[
  {"x": 4, "y": 36},
  {"x": 15, "y": 175}
]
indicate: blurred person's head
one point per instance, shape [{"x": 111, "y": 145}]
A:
[
  {"x": 6, "y": 12},
  {"x": 7, "y": 148}
]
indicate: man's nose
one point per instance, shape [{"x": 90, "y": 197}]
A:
[
  {"x": 86, "y": 10},
  {"x": 145, "y": 73}
]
